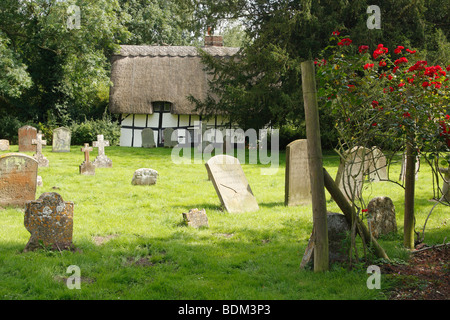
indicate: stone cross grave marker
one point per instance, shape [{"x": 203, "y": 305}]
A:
[
  {"x": 40, "y": 158},
  {"x": 87, "y": 167},
  {"x": 4, "y": 145},
  {"x": 231, "y": 184},
  {"x": 297, "y": 180},
  {"x": 148, "y": 138},
  {"x": 18, "y": 178},
  {"x": 61, "y": 139},
  {"x": 49, "y": 220},
  {"x": 26, "y": 136},
  {"x": 102, "y": 161}
]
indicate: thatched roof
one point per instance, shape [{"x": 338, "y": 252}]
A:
[{"x": 145, "y": 74}]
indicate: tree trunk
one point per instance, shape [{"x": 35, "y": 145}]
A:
[
  {"x": 319, "y": 206},
  {"x": 410, "y": 181}
]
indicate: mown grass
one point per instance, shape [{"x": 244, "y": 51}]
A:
[{"x": 148, "y": 253}]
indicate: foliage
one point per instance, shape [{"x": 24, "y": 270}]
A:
[{"x": 87, "y": 131}]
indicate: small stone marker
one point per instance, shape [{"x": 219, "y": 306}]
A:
[
  {"x": 39, "y": 181},
  {"x": 102, "y": 161},
  {"x": 144, "y": 176},
  {"x": 4, "y": 145},
  {"x": 26, "y": 136},
  {"x": 196, "y": 218},
  {"x": 297, "y": 180},
  {"x": 18, "y": 178},
  {"x": 381, "y": 216},
  {"x": 148, "y": 138},
  {"x": 61, "y": 139},
  {"x": 87, "y": 167},
  {"x": 446, "y": 186},
  {"x": 231, "y": 184},
  {"x": 50, "y": 222},
  {"x": 42, "y": 161}
]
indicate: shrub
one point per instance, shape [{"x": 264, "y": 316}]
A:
[{"x": 87, "y": 131}]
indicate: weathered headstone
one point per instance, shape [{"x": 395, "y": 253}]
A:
[
  {"x": 18, "y": 177},
  {"x": 144, "y": 176},
  {"x": 352, "y": 170},
  {"x": 148, "y": 138},
  {"x": 231, "y": 184},
  {"x": 87, "y": 167},
  {"x": 297, "y": 180},
  {"x": 26, "y": 136},
  {"x": 40, "y": 158},
  {"x": 39, "y": 181},
  {"x": 168, "y": 142},
  {"x": 377, "y": 165},
  {"x": 102, "y": 161},
  {"x": 446, "y": 186},
  {"x": 338, "y": 247},
  {"x": 4, "y": 145},
  {"x": 49, "y": 220},
  {"x": 381, "y": 216},
  {"x": 61, "y": 139},
  {"x": 196, "y": 218}
]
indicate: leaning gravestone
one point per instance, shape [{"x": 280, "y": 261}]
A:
[
  {"x": 352, "y": 170},
  {"x": 61, "y": 139},
  {"x": 18, "y": 178},
  {"x": 40, "y": 158},
  {"x": 49, "y": 220},
  {"x": 148, "y": 138},
  {"x": 87, "y": 167},
  {"x": 230, "y": 184},
  {"x": 377, "y": 165},
  {"x": 297, "y": 180},
  {"x": 381, "y": 216},
  {"x": 26, "y": 136},
  {"x": 102, "y": 161},
  {"x": 144, "y": 177},
  {"x": 4, "y": 145}
]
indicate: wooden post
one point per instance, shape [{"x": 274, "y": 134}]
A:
[{"x": 319, "y": 206}]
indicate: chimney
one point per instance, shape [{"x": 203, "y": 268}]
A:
[{"x": 212, "y": 40}]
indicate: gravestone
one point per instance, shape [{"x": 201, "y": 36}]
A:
[
  {"x": 18, "y": 178},
  {"x": 144, "y": 176},
  {"x": 39, "y": 181},
  {"x": 61, "y": 139},
  {"x": 381, "y": 216},
  {"x": 49, "y": 220},
  {"x": 297, "y": 180},
  {"x": 352, "y": 170},
  {"x": 40, "y": 158},
  {"x": 87, "y": 167},
  {"x": 446, "y": 186},
  {"x": 102, "y": 161},
  {"x": 4, "y": 145},
  {"x": 231, "y": 184},
  {"x": 148, "y": 138},
  {"x": 377, "y": 165},
  {"x": 403, "y": 168},
  {"x": 338, "y": 244},
  {"x": 168, "y": 142},
  {"x": 26, "y": 136},
  {"x": 196, "y": 218}
]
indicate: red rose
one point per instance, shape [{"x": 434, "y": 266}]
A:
[
  {"x": 399, "y": 49},
  {"x": 363, "y": 49},
  {"x": 336, "y": 33}
]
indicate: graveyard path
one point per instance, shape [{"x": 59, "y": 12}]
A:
[{"x": 425, "y": 277}]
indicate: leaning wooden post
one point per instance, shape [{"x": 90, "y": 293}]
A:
[{"x": 319, "y": 206}]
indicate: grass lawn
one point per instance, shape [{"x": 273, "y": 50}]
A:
[{"x": 133, "y": 245}]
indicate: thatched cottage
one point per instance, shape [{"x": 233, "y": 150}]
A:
[{"x": 150, "y": 86}]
